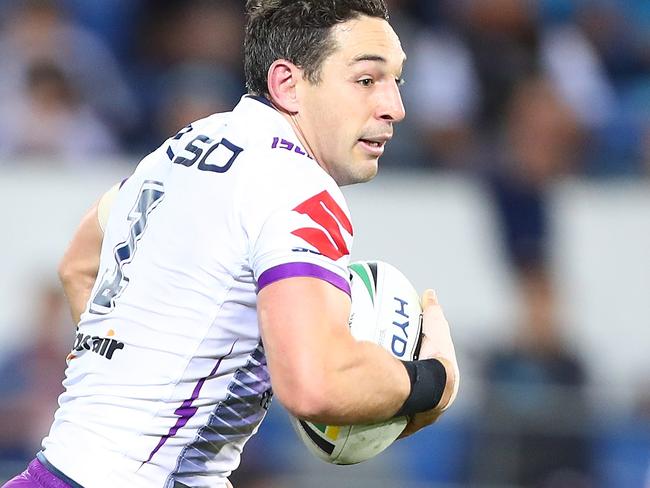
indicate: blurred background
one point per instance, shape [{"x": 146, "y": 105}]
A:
[{"x": 517, "y": 187}]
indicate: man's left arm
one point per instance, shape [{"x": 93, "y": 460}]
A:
[{"x": 80, "y": 264}]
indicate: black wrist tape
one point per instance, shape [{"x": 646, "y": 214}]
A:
[{"x": 428, "y": 378}]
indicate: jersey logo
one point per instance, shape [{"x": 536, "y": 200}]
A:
[
  {"x": 324, "y": 210},
  {"x": 104, "y": 346}
]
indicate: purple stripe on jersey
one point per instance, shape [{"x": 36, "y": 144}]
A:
[
  {"x": 293, "y": 270},
  {"x": 233, "y": 420},
  {"x": 36, "y": 476},
  {"x": 186, "y": 411}
]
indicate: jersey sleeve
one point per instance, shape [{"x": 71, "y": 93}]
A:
[{"x": 298, "y": 225}]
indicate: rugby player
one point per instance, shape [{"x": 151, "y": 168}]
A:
[{"x": 219, "y": 268}]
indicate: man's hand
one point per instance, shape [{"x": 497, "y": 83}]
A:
[{"x": 436, "y": 343}]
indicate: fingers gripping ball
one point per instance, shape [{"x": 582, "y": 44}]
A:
[{"x": 385, "y": 310}]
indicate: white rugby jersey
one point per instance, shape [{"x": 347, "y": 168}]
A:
[{"x": 167, "y": 378}]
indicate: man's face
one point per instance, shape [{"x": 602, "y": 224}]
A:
[{"x": 348, "y": 116}]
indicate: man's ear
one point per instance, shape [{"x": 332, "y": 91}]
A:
[{"x": 283, "y": 77}]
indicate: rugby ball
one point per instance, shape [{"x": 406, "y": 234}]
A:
[{"x": 385, "y": 310}]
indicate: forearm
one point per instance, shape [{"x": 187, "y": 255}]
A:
[
  {"x": 363, "y": 383},
  {"x": 77, "y": 288},
  {"x": 437, "y": 344},
  {"x": 80, "y": 263}
]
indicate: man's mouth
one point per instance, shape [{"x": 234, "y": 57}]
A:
[{"x": 374, "y": 145}]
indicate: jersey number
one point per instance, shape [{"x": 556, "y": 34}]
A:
[{"x": 114, "y": 281}]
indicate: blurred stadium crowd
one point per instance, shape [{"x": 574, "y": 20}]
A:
[
  {"x": 518, "y": 93},
  {"x": 568, "y": 80}
]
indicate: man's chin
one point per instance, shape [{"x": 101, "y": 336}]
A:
[{"x": 362, "y": 172}]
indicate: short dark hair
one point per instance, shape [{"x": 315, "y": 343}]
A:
[{"x": 298, "y": 31}]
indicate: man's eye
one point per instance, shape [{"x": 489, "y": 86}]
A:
[{"x": 366, "y": 82}]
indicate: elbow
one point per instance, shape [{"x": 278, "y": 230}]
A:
[
  {"x": 73, "y": 275},
  {"x": 308, "y": 407},
  {"x": 73, "y": 270},
  {"x": 65, "y": 272},
  {"x": 307, "y": 399}
]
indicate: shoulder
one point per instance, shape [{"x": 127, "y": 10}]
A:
[
  {"x": 288, "y": 189},
  {"x": 281, "y": 174}
]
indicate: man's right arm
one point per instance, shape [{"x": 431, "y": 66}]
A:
[{"x": 320, "y": 372}]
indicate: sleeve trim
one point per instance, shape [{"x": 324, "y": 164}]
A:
[{"x": 293, "y": 270}]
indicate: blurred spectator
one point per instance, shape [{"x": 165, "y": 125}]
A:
[
  {"x": 31, "y": 377},
  {"x": 191, "y": 58},
  {"x": 189, "y": 92},
  {"x": 540, "y": 141},
  {"x": 51, "y": 122},
  {"x": 623, "y": 445},
  {"x": 542, "y": 137},
  {"x": 619, "y": 31},
  {"x": 534, "y": 430},
  {"x": 202, "y": 31},
  {"x": 37, "y": 31},
  {"x": 114, "y": 21},
  {"x": 509, "y": 43},
  {"x": 441, "y": 94}
]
